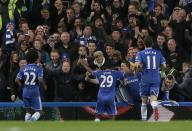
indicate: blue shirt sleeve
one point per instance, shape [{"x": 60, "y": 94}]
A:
[
  {"x": 120, "y": 75},
  {"x": 20, "y": 74},
  {"x": 96, "y": 73},
  {"x": 138, "y": 57},
  {"x": 163, "y": 61},
  {"x": 40, "y": 73}
]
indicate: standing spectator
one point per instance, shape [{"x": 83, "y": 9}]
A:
[
  {"x": 77, "y": 30},
  {"x": 185, "y": 83},
  {"x": 50, "y": 68},
  {"x": 66, "y": 47},
  {"x": 97, "y": 11},
  {"x": 169, "y": 33},
  {"x": 174, "y": 55},
  {"x": 10, "y": 42},
  {"x": 65, "y": 91},
  {"x": 43, "y": 55},
  {"x": 118, "y": 42},
  {"x": 84, "y": 93},
  {"x": 109, "y": 50},
  {"x": 178, "y": 24},
  {"x": 23, "y": 49},
  {"x": 161, "y": 44},
  {"x": 87, "y": 35},
  {"x": 13, "y": 66},
  {"x": 16, "y": 91},
  {"x": 3, "y": 72},
  {"x": 92, "y": 46},
  {"x": 70, "y": 16}
]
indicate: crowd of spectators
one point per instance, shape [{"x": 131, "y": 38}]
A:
[{"x": 63, "y": 31}]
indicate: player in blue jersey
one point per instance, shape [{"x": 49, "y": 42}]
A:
[
  {"x": 30, "y": 77},
  {"x": 106, "y": 95},
  {"x": 149, "y": 61},
  {"x": 131, "y": 82}
]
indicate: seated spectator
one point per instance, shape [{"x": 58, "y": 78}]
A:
[{"x": 168, "y": 89}]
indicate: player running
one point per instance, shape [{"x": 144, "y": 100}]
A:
[{"x": 149, "y": 61}]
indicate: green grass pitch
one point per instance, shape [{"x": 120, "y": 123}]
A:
[{"x": 93, "y": 126}]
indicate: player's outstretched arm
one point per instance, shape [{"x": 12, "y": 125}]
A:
[
  {"x": 18, "y": 81},
  {"x": 42, "y": 82},
  {"x": 85, "y": 65},
  {"x": 164, "y": 66},
  {"x": 87, "y": 78}
]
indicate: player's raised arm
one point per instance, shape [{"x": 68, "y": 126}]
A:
[
  {"x": 138, "y": 63},
  {"x": 87, "y": 78},
  {"x": 85, "y": 65}
]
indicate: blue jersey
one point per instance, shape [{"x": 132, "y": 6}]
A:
[
  {"x": 107, "y": 81},
  {"x": 133, "y": 86},
  {"x": 30, "y": 75},
  {"x": 151, "y": 60}
]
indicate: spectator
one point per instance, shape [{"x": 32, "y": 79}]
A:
[
  {"x": 3, "y": 72},
  {"x": 87, "y": 35},
  {"x": 10, "y": 38},
  {"x": 77, "y": 30},
  {"x": 16, "y": 91},
  {"x": 168, "y": 89},
  {"x": 174, "y": 55},
  {"x": 44, "y": 57},
  {"x": 185, "y": 85},
  {"x": 67, "y": 47},
  {"x": 161, "y": 44},
  {"x": 50, "y": 68},
  {"x": 65, "y": 91},
  {"x": 92, "y": 46}
]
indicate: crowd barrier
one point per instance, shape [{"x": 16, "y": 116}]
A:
[
  {"x": 169, "y": 110},
  {"x": 82, "y": 104}
]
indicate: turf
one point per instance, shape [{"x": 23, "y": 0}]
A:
[{"x": 92, "y": 126}]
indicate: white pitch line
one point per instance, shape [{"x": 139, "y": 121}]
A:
[{"x": 15, "y": 129}]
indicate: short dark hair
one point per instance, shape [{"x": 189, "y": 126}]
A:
[
  {"x": 161, "y": 34},
  {"x": 32, "y": 56},
  {"x": 170, "y": 77},
  {"x": 110, "y": 44},
  {"x": 148, "y": 41},
  {"x": 127, "y": 63}
]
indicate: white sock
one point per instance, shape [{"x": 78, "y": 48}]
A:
[
  {"x": 27, "y": 116},
  {"x": 144, "y": 112},
  {"x": 35, "y": 116},
  {"x": 154, "y": 104}
]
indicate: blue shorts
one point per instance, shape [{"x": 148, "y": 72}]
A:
[
  {"x": 106, "y": 106},
  {"x": 33, "y": 103},
  {"x": 148, "y": 89}
]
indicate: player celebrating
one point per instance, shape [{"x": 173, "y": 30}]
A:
[
  {"x": 149, "y": 60},
  {"x": 106, "y": 95},
  {"x": 32, "y": 77}
]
